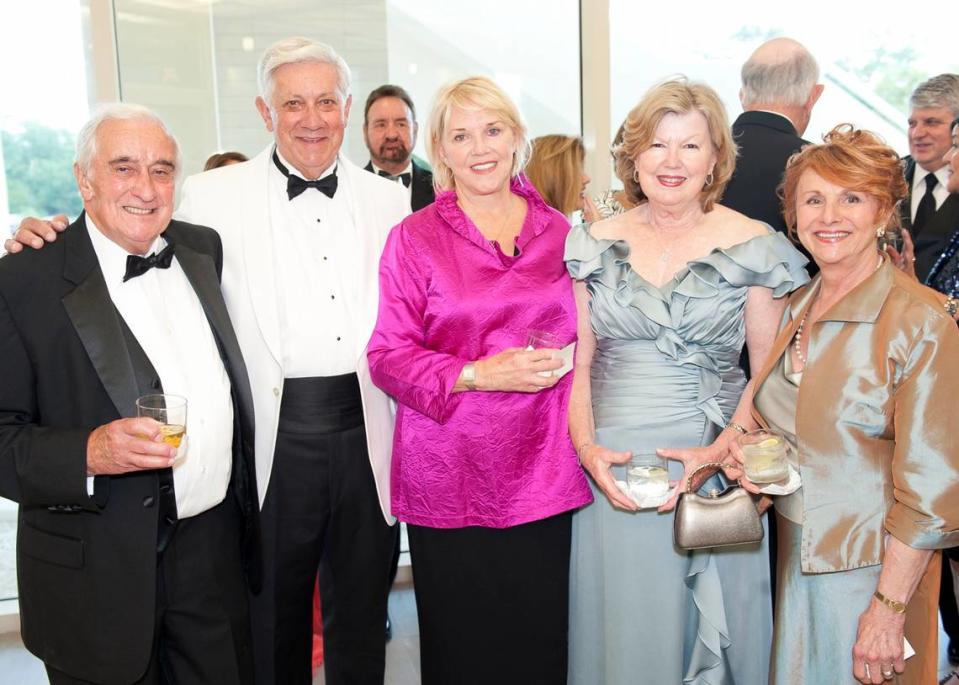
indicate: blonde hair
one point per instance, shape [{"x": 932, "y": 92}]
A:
[
  {"x": 555, "y": 168},
  {"x": 677, "y": 96},
  {"x": 851, "y": 158},
  {"x": 475, "y": 93}
]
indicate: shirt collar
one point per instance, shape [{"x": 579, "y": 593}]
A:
[
  {"x": 292, "y": 169},
  {"x": 919, "y": 178},
  {"x": 778, "y": 114},
  {"x": 112, "y": 257},
  {"x": 407, "y": 170}
]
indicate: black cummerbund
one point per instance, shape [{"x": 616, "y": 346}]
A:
[{"x": 323, "y": 404}]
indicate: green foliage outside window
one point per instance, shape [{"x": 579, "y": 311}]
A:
[{"x": 39, "y": 169}]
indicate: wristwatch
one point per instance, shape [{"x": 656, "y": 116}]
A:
[{"x": 469, "y": 376}]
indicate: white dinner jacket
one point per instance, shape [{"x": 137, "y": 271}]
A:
[{"x": 235, "y": 201}]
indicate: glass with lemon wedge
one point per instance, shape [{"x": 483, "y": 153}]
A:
[{"x": 765, "y": 456}]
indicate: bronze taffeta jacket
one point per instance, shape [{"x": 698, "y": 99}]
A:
[{"x": 877, "y": 421}]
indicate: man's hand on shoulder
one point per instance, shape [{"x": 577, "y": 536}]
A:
[
  {"x": 127, "y": 445},
  {"x": 33, "y": 232}
]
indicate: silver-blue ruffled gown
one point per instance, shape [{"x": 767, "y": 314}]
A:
[{"x": 666, "y": 374}]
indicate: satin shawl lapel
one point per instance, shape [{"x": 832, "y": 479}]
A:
[
  {"x": 201, "y": 272},
  {"x": 422, "y": 191},
  {"x": 258, "y": 235},
  {"x": 792, "y": 317},
  {"x": 905, "y": 207},
  {"x": 96, "y": 320}
]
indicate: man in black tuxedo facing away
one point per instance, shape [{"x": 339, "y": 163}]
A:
[
  {"x": 131, "y": 554},
  {"x": 779, "y": 91},
  {"x": 931, "y": 213},
  {"x": 389, "y": 129}
]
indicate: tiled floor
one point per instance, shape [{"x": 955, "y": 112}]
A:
[{"x": 18, "y": 667}]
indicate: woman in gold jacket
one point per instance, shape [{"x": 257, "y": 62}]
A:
[{"x": 861, "y": 381}]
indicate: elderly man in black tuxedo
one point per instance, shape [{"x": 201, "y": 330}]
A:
[
  {"x": 779, "y": 90},
  {"x": 131, "y": 554},
  {"x": 389, "y": 129}
]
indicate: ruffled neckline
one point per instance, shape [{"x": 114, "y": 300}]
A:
[
  {"x": 765, "y": 260},
  {"x": 771, "y": 257}
]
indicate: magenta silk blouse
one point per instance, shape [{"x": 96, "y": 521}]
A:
[{"x": 447, "y": 297}]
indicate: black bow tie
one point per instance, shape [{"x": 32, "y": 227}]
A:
[
  {"x": 296, "y": 185},
  {"x": 406, "y": 177},
  {"x": 137, "y": 266}
]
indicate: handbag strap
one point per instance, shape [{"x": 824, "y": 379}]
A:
[{"x": 707, "y": 465}]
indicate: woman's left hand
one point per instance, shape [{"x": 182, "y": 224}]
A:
[
  {"x": 877, "y": 654},
  {"x": 692, "y": 458}
]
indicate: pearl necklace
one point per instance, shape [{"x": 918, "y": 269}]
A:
[{"x": 797, "y": 341}]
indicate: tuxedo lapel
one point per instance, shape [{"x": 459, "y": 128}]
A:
[
  {"x": 200, "y": 271},
  {"x": 422, "y": 188},
  {"x": 96, "y": 320},
  {"x": 905, "y": 207},
  {"x": 258, "y": 238}
]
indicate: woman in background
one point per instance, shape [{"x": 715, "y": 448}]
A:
[
  {"x": 555, "y": 168},
  {"x": 216, "y": 160},
  {"x": 609, "y": 202}
]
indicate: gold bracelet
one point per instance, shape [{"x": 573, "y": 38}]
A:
[
  {"x": 736, "y": 427},
  {"x": 898, "y": 607}
]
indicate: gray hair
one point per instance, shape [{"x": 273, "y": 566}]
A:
[
  {"x": 116, "y": 111},
  {"x": 296, "y": 50},
  {"x": 787, "y": 82},
  {"x": 939, "y": 91}
]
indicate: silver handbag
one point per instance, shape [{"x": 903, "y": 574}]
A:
[{"x": 718, "y": 520}]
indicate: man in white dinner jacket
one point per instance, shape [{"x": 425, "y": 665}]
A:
[
  {"x": 302, "y": 230},
  {"x": 300, "y": 281}
]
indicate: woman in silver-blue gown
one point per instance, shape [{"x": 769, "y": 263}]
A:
[{"x": 668, "y": 292}]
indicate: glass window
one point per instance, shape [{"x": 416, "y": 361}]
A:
[
  {"x": 868, "y": 63},
  {"x": 45, "y": 104},
  {"x": 205, "y": 88}
]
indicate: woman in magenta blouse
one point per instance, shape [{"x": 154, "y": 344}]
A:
[{"x": 484, "y": 473}]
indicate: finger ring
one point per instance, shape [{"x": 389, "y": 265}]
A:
[
  {"x": 866, "y": 666},
  {"x": 887, "y": 672}
]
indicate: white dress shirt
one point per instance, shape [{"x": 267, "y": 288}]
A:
[
  {"x": 407, "y": 170},
  {"x": 317, "y": 267},
  {"x": 919, "y": 188},
  {"x": 165, "y": 316}
]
